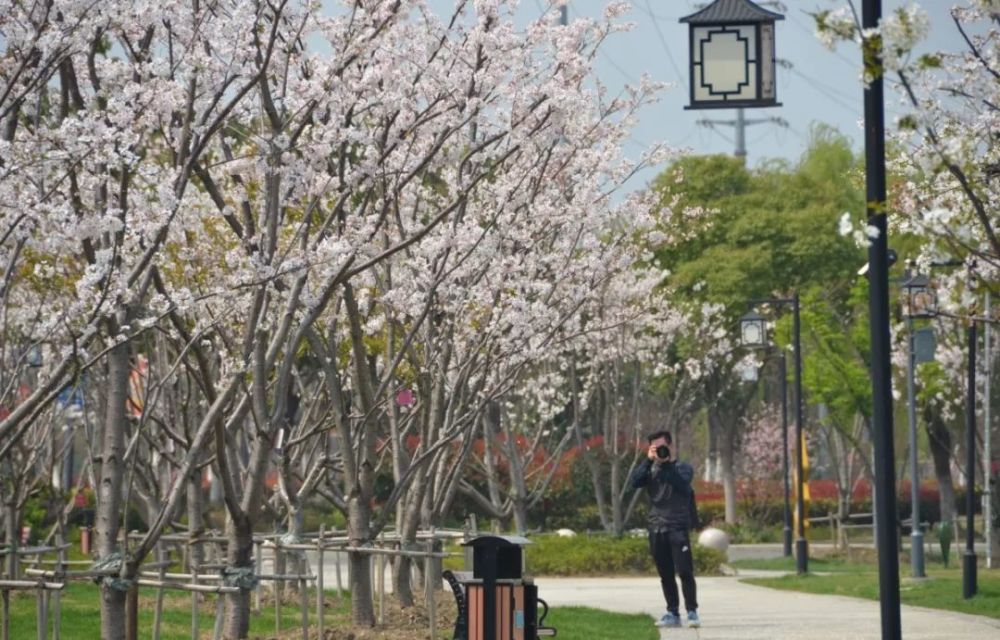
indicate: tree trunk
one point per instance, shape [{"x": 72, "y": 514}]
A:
[
  {"x": 939, "y": 438},
  {"x": 12, "y": 537},
  {"x": 617, "y": 504},
  {"x": 358, "y": 532},
  {"x": 295, "y": 561},
  {"x": 408, "y": 527},
  {"x": 196, "y": 516},
  {"x": 712, "y": 457},
  {"x": 727, "y": 458},
  {"x": 239, "y": 556},
  {"x": 109, "y": 494}
]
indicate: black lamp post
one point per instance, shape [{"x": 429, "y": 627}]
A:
[
  {"x": 732, "y": 56},
  {"x": 878, "y": 318},
  {"x": 920, "y": 303},
  {"x": 753, "y": 333},
  {"x": 969, "y": 568}
]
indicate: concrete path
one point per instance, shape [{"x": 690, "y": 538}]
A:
[{"x": 732, "y": 610}]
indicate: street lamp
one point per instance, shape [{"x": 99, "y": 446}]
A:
[
  {"x": 753, "y": 335},
  {"x": 920, "y": 303},
  {"x": 753, "y": 332},
  {"x": 731, "y": 61},
  {"x": 969, "y": 569}
]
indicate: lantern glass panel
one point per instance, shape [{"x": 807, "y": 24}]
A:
[
  {"x": 922, "y": 302},
  {"x": 725, "y": 62},
  {"x": 753, "y": 333}
]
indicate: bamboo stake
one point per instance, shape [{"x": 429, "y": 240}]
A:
[
  {"x": 277, "y": 590},
  {"x": 319, "y": 582},
  {"x": 5, "y": 623},
  {"x": 429, "y": 580},
  {"x": 43, "y": 614},
  {"x": 57, "y": 603},
  {"x": 158, "y": 609},
  {"x": 195, "y": 626},
  {"x": 259, "y": 565}
]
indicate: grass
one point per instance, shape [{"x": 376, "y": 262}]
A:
[
  {"x": 942, "y": 589},
  {"x": 818, "y": 565},
  {"x": 81, "y": 615},
  {"x": 81, "y": 618},
  {"x": 581, "y": 623}
]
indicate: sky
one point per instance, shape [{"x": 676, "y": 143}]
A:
[{"x": 821, "y": 86}]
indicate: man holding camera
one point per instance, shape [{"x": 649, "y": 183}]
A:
[{"x": 671, "y": 517}]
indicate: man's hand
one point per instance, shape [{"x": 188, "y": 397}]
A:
[{"x": 655, "y": 458}]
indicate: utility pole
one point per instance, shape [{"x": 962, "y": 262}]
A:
[
  {"x": 740, "y": 125},
  {"x": 564, "y": 14}
]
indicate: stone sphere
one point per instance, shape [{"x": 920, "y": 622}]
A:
[
  {"x": 565, "y": 533},
  {"x": 714, "y": 539}
]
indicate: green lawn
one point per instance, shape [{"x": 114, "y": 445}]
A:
[
  {"x": 941, "y": 590},
  {"x": 820, "y": 565},
  {"x": 81, "y": 618},
  {"x": 581, "y": 623}
]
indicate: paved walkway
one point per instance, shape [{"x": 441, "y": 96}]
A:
[{"x": 732, "y": 610}]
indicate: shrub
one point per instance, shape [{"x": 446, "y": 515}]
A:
[
  {"x": 750, "y": 533},
  {"x": 605, "y": 555}
]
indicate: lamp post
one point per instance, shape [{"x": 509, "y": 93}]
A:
[
  {"x": 969, "y": 556},
  {"x": 969, "y": 568},
  {"x": 753, "y": 333},
  {"x": 919, "y": 304},
  {"x": 878, "y": 306},
  {"x": 786, "y": 531}
]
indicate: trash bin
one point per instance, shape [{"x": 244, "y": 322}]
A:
[{"x": 500, "y": 603}]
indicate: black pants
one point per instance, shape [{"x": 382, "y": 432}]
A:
[{"x": 672, "y": 554}]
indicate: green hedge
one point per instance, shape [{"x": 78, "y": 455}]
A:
[{"x": 593, "y": 555}]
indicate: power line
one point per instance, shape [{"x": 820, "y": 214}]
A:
[
  {"x": 794, "y": 20},
  {"x": 663, "y": 41},
  {"x": 617, "y": 66},
  {"x": 834, "y": 93}
]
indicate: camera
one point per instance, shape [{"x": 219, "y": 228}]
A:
[{"x": 663, "y": 451}]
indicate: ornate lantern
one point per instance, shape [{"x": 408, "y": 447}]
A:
[
  {"x": 732, "y": 56},
  {"x": 753, "y": 330}
]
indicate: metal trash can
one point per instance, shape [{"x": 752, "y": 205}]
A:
[{"x": 498, "y": 602}]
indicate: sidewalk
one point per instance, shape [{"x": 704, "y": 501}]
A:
[{"x": 732, "y": 610}]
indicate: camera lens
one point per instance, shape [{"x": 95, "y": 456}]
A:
[{"x": 663, "y": 451}]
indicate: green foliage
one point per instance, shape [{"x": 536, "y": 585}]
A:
[
  {"x": 773, "y": 229},
  {"x": 605, "y": 555},
  {"x": 749, "y": 532},
  {"x": 583, "y": 622}
]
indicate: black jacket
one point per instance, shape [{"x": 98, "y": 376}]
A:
[{"x": 671, "y": 498}]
